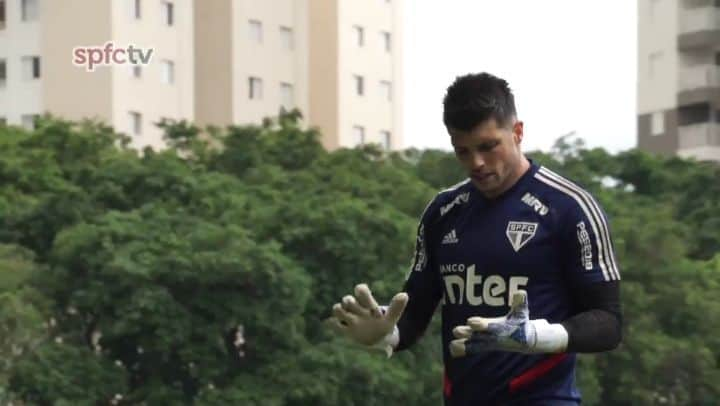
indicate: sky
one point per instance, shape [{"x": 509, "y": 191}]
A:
[{"x": 572, "y": 65}]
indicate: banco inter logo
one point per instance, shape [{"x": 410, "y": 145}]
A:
[
  {"x": 464, "y": 285},
  {"x": 519, "y": 233}
]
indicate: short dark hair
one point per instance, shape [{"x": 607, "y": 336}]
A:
[{"x": 475, "y": 98}]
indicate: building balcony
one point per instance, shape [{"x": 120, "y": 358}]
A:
[
  {"x": 699, "y": 135},
  {"x": 698, "y": 77},
  {"x": 699, "y": 84},
  {"x": 699, "y": 27}
]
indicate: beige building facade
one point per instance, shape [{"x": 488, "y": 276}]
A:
[
  {"x": 679, "y": 77},
  {"x": 251, "y": 59},
  {"x": 356, "y": 71},
  {"x": 216, "y": 62},
  {"x": 38, "y": 46}
]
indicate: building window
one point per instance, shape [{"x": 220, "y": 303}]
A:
[
  {"x": 255, "y": 27},
  {"x": 31, "y": 67},
  {"x": 717, "y": 57},
  {"x": 3, "y": 73},
  {"x": 28, "y": 121},
  {"x": 358, "y": 135},
  {"x": 359, "y": 35},
  {"x": 385, "y": 137},
  {"x": 167, "y": 69},
  {"x": 387, "y": 40},
  {"x": 168, "y": 11},
  {"x": 135, "y": 10},
  {"x": 287, "y": 96},
  {"x": 28, "y": 10},
  {"x": 36, "y": 67},
  {"x": 136, "y": 71},
  {"x": 255, "y": 88},
  {"x": 359, "y": 85},
  {"x": 2, "y": 14},
  {"x": 657, "y": 123},
  {"x": 386, "y": 89},
  {"x": 286, "y": 38},
  {"x": 135, "y": 122}
]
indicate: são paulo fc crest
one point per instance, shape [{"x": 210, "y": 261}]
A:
[{"x": 519, "y": 233}]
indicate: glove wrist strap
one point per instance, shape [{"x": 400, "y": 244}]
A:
[{"x": 549, "y": 338}]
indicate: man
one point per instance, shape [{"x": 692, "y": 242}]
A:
[{"x": 520, "y": 259}]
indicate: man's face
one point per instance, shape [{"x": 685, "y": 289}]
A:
[{"x": 490, "y": 154}]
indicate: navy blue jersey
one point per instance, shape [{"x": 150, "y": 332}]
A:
[{"x": 545, "y": 235}]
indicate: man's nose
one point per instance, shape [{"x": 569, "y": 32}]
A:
[{"x": 477, "y": 161}]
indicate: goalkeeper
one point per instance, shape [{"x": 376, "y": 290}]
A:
[{"x": 518, "y": 258}]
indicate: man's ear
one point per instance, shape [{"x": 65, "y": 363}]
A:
[{"x": 518, "y": 132}]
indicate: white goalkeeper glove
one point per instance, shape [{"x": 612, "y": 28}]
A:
[
  {"x": 361, "y": 319},
  {"x": 514, "y": 332}
]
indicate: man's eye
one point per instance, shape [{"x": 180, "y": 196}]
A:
[{"x": 487, "y": 147}]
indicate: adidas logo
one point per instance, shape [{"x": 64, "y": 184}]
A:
[{"x": 450, "y": 238}]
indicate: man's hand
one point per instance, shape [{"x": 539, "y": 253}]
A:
[
  {"x": 361, "y": 319},
  {"x": 514, "y": 332}
]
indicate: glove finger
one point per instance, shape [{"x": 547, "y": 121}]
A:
[
  {"x": 482, "y": 323},
  {"x": 519, "y": 307},
  {"x": 397, "y": 307},
  {"x": 462, "y": 332},
  {"x": 478, "y": 323},
  {"x": 342, "y": 315},
  {"x": 366, "y": 299},
  {"x": 350, "y": 305},
  {"x": 478, "y": 343},
  {"x": 457, "y": 348}
]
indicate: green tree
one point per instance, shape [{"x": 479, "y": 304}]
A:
[{"x": 202, "y": 274}]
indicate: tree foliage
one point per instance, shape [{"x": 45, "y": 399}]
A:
[{"x": 202, "y": 274}]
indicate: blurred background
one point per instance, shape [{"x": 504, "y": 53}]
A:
[{"x": 186, "y": 187}]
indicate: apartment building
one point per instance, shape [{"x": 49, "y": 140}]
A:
[
  {"x": 338, "y": 61},
  {"x": 214, "y": 62},
  {"x": 679, "y": 77},
  {"x": 251, "y": 59},
  {"x": 356, "y": 71},
  {"x": 37, "y": 73}
]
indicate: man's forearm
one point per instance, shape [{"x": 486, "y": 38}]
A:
[
  {"x": 597, "y": 326},
  {"x": 595, "y": 330},
  {"x": 414, "y": 322}
]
